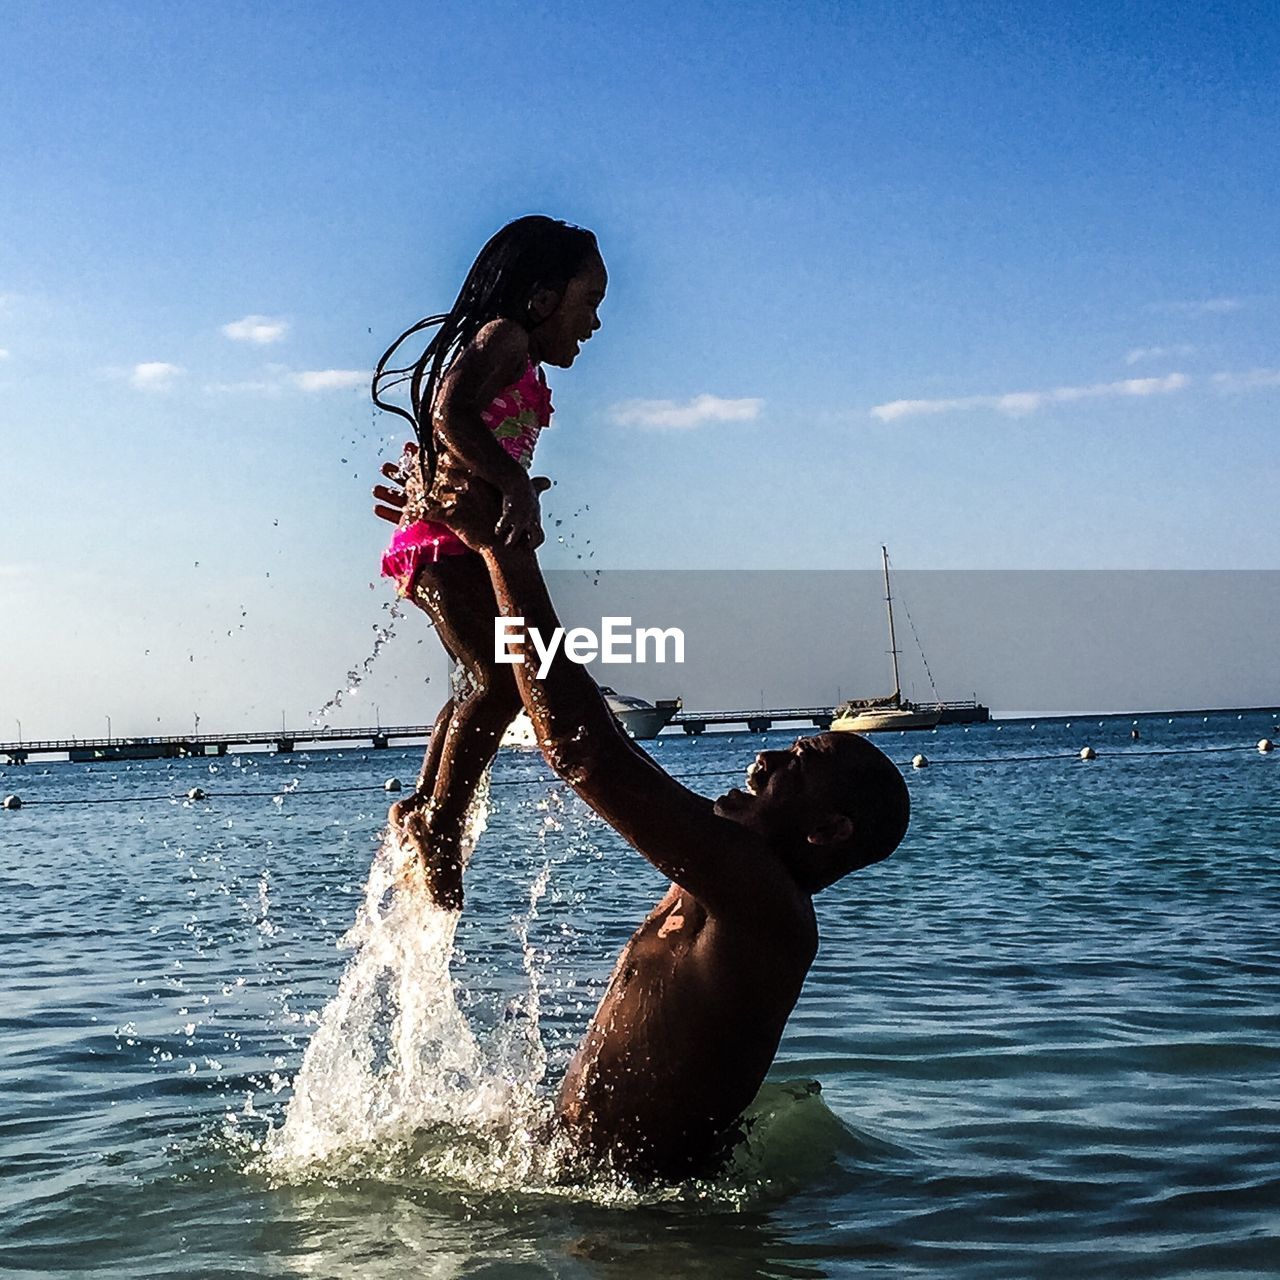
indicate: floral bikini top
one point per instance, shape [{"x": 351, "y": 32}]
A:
[{"x": 516, "y": 416}]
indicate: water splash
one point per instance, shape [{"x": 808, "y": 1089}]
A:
[
  {"x": 568, "y": 539},
  {"x": 384, "y": 633},
  {"x": 395, "y": 1075}
]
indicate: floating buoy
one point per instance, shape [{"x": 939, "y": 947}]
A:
[
  {"x": 919, "y": 761},
  {"x": 1088, "y": 753},
  {"x": 196, "y": 793},
  {"x": 1264, "y": 746},
  {"x": 391, "y": 784},
  {"x": 13, "y": 802}
]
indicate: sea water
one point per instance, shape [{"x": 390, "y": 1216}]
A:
[{"x": 1041, "y": 1040}]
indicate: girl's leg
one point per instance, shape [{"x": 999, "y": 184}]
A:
[
  {"x": 433, "y": 581},
  {"x": 457, "y": 594},
  {"x": 484, "y": 708},
  {"x": 431, "y": 757}
]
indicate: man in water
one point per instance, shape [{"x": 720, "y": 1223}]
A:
[{"x": 695, "y": 1009}]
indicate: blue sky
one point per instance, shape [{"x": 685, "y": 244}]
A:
[{"x": 994, "y": 285}]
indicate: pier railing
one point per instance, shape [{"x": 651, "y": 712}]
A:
[{"x": 202, "y": 744}]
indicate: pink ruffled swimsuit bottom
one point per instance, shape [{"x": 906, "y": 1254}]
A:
[{"x": 516, "y": 417}]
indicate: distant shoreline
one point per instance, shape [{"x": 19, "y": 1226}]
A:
[{"x": 1051, "y": 717}]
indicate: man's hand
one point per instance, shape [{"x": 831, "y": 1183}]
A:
[
  {"x": 472, "y": 508},
  {"x": 389, "y": 501}
]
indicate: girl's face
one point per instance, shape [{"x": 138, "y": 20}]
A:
[{"x": 559, "y": 338}]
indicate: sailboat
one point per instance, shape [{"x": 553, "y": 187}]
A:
[{"x": 879, "y": 715}]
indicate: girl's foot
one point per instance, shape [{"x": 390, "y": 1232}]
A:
[{"x": 436, "y": 862}]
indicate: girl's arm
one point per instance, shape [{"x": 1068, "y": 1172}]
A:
[{"x": 496, "y": 358}]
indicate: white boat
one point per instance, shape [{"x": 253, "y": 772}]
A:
[
  {"x": 881, "y": 715},
  {"x": 642, "y": 720}
]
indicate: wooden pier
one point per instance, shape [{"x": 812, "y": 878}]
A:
[
  {"x": 205, "y": 744},
  {"x": 754, "y": 721}
]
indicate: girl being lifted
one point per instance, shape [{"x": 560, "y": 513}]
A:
[{"x": 478, "y": 397}]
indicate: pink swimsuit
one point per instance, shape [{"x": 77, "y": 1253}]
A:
[{"x": 516, "y": 417}]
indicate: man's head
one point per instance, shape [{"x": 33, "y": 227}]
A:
[{"x": 826, "y": 806}]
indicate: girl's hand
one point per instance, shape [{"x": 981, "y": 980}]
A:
[
  {"x": 520, "y": 518},
  {"x": 476, "y": 511},
  {"x": 473, "y": 508}
]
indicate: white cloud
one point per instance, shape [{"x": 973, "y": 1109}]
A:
[
  {"x": 1017, "y": 403},
  {"x": 258, "y": 386},
  {"x": 257, "y": 329},
  {"x": 1200, "y": 307},
  {"x": 154, "y": 375},
  {"x": 1248, "y": 380},
  {"x": 895, "y": 409},
  {"x": 330, "y": 379},
  {"x": 668, "y": 415},
  {"x": 278, "y": 379},
  {"x": 4, "y": 353},
  {"x": 1159, "y": 353}
]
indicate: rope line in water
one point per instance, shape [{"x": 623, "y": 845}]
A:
[
  {"x": 208, "y": 795},
  {"x": 544, "y": 780},
  {"x": 1075, "y": 756}
]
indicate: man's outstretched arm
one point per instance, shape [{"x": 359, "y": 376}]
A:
[{"x": 675, "y": 828}]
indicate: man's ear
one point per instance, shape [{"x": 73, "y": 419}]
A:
[
  {"x": 543, "y": 304},
  {"x": 832, "y": 828}
]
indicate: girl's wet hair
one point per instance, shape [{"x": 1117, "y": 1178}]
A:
[{"x": 529, "y": 254}]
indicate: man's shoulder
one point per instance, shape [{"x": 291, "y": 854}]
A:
[{"x": 771, "y": 916}]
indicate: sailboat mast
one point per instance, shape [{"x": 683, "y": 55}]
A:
[{"x": 893, "y": 643}]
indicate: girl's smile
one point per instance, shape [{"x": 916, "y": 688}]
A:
[{"x": 559, "y": 338}]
